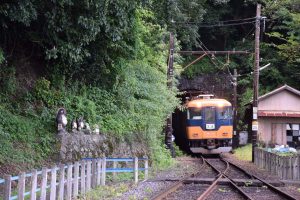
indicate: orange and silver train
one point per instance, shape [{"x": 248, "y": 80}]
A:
[{"x": 209, "y": 125}]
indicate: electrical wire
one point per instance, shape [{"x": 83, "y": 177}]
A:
[
  {"x": 224, "y": 21},
  {"x": 220, "y": 62},
  {"x": 200, "y": 25}
]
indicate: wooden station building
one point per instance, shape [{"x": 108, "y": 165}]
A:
[{"x": 279, "y": 117}]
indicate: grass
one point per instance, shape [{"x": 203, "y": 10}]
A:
[
  {"x": 105, "y": 192},
  {"x": 244, "y": 153}
]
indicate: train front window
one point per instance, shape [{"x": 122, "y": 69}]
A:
[
  {"x": 210, "y": 115},
  {"x": 194, "y": 113},
  {"x": 225, "y": 113}
]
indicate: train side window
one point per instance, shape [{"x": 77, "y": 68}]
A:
[
  {"x": 194, "y": 113},
  {"x": 225, "y": 113}
]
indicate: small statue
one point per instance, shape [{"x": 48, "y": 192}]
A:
[
  {"x": 74, "y": 125},
  {"x": 87, "y": 129},
  {"x": 80, "y": 123},
  {"x": 87, "y": 126},
  {"x": 61, "y": 120},
  {"x": 96, "y": 130}
]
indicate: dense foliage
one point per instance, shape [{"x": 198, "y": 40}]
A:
[{"x": 108, "y": 66}]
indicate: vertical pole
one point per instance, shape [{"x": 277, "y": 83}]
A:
[
  {"x": 76, "y": 175},
  {"x": 99, "y": 161},
  {"x": 169, "y": 129},
  {"x": 21, "y": 186},
  {"x": 235, "y": 142},
  {"x": 53, "y": 184},
  {"x": 94, "y": 169},
  {"x": 103, "y": 172},
  {"x": 44, "y": 184},
  {"x": 33, "y": 185},
  {"x": 114, "y": 167},
  {"x": 7, "y": 187},
  {"x": 88, "y": 175},
  {"x": 69, "y": 181},
  {"x": 146, "y": 168},
  {"x": 136, "y": 170},
  {"x": 82, "y": 179},
  {"x": 61, "y": 182},
  {"x": 256, "y": 80}
]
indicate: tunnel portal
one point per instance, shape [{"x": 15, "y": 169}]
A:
[{"x": 217, "y": 84}]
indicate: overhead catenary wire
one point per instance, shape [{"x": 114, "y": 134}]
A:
[
  {"x": 224, "y": 21},
  {"x": 220, "y": 62},
  {"x": 201, "y": 25}
]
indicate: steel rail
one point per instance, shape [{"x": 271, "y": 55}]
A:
[
  {"x": 223, "y": 174},
  {"x": 214, "y": 184},
  {"x": 240, "y": 169},
  {"x": 174, "y": 186},
  {"x": 275, "y": 189}
]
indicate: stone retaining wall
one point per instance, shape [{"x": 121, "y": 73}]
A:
[{"x": 75, "y": 146}]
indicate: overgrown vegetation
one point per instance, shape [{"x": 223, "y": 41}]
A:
[
  {"x": 131, "y": 101},
  {"x": 244, "y": 153}
]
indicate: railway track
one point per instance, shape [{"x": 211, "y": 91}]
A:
[{"x": 221, "y": 179}]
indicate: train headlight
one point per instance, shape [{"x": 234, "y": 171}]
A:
[{"x": 225, "y": 134}]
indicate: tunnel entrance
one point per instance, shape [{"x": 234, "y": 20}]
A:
[
  {"x": 216, "y": 84},
  {"x": 179, "y": 121}
]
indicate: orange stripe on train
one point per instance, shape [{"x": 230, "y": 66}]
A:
[
  {"x": 208, "y": 102},
  {"x": 196, "y": 133}
]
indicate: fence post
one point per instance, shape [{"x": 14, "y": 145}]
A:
[
  {"x": 294, "y": 167},
  {"x": 61, "y": 182},
  {"x": 114, "y": 167},
  {"x": 53, "y": 184},
  {"x": 7, "y": 187},
  {"x": 76, "y": 175},
  {"x": 44, "y": 184},
  {"x": 33, "y": 185},
  {"x": 69, "y": 181},
  {"x": 21, "y": 186},
  {"x": 99, "y": 161},
  {"x": 94, "y": 177},
  {"x": 146, "y": 168},
  {"x": 88, "y": 176},
  {"x": 103, "y": 171},
  {"x": 82, "y": 179},
  {"x": 136, "y": 169}
]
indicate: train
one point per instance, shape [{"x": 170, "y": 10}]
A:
[{"x": 209, "y": 125}]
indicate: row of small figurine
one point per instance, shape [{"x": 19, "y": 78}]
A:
[
  {"x": 76, "y": 124},
  {"x": 79, "y": 124}
]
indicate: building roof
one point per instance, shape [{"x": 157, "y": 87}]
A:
[
  {"x": 278, "y": 107},
  {"x": 284, "y": 87}
]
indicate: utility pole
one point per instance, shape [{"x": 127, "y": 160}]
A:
[
  {"x": 256, "y": 80},
  {"x": 235, "y": 142},
  {"x": 170, "y": 74}
]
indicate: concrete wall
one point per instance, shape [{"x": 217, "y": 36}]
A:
[
  {"x": 282, "y": 101},
  {"x": 277, "y": 125},
  {"x": 75, "y": 146}
]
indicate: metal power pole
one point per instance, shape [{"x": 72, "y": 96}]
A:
[
  {"x": 256, "y": 80},
  {"x": 235, "y": 141},
  {"x": 170, "y": 74}
]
